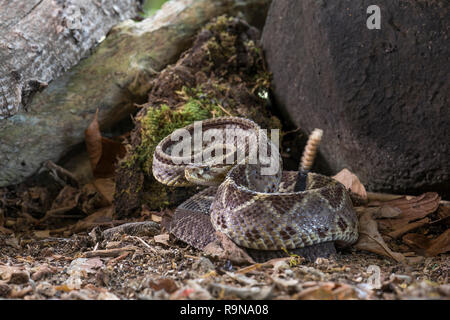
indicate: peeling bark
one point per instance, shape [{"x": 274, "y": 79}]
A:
[{"x": 41, "y": 39}]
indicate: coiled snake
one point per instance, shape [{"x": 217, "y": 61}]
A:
[{"x": 250, "y": 200}]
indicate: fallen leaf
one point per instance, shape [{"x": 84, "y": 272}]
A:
[
  {"x": 112, "y": 150},
  {"x": 371, "y": 240},
  {"x": 192, "y": 291},
  {"x": 327, "y": 291},
  {"x": 66, "y": 200},
  {"x": 2, "y": 217},
  {"x": 224, "y": 248},
  {"x": 253, "y": 293},
  {"x": 413, "y": 213},
  {"x": 106, "y": 187},
  {"x": 41, "y": 271},
  {"x": 162, "y": 239},
  {"x": 42, "y": 234},
  {"x": 426, "y": 246},
  {"x": 5, "y": 230},
  {"x": 387, "y": 211},
  {"x": 166, "y": 284},
  {"x": 93, "y": 140},
  {"x": 103, "y": 152},
  {"x": 352, "y": 183},
  {"x": 101, "y": 217},
  {"x": 92, "y": 199},
  {"x": 64, "y": 287}
]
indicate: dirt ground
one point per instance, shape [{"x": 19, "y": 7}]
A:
[{"x": 153, "y": 267}]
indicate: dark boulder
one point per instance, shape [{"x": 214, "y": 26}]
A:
[{"x": 381, "y": 96}]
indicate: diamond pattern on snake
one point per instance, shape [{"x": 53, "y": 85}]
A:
[{"x": 266, "y": 214}]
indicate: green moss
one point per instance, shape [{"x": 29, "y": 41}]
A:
[{"x": 159, "y": 122}]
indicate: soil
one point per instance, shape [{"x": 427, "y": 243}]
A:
[{"x": 65, "y": 268}]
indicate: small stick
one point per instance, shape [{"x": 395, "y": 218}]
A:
[
  {"x": 145, "y": 244},
  {"x": 309, "y": 154}
]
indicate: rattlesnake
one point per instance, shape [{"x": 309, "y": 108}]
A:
[{"x": 259, "y": 212}]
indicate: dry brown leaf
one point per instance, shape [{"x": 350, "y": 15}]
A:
[
  {"x": 165, "y": 284},
  {"x": 103, "y": 152},
  {"x": 387, "y": 211},
  {"x": 106, "y": 187},
  {"x": 93, "y": 139},
  {"x": 327, "y": 291},
  {"x": 376, "y": 198},
  {"x": 91, "y": 199},
  {"x": 42, "y": 234},
  {"x": 406, "y": 227},
  {"x": 162, "y": 239},
  {"x": 225, "y": 248},
  {"x": 371, "y": 240},
  {"x": 428, "y": 247},
  {"x": 67, "y": 198},
  {"x": 351, "y": 182},
  {"x": 5, "y": 230},
  {"x": 101, "y": 217},
  {"x": 413, "y": 213},
  {"x": 112, "y": 150},
  {"x": 2, "y": 217}
]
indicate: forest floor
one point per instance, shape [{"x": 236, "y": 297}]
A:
[{"x": 158, "y": 267}]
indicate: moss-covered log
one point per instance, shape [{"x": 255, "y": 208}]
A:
[
  {"x": 223, "y": 73},
  {"x": 113, "y": 79}
]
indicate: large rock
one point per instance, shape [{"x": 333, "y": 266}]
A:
[{"x": 381, "y": 96}]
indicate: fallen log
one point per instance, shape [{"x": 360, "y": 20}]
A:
[
  {"x": 41, "y": 39},
  {"x": 113, "y": 79}
]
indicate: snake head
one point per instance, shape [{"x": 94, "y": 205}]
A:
[{"x": 206, "y": 174}]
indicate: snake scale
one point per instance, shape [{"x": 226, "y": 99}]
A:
[{"x": 258, "y": 211}]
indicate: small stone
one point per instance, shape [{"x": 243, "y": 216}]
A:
[
  {"x": 46, "y": 289},
  {"x": 203, "y": 265},
  {"x": 444, "y": 289},
  {"x": 41, "y": 272},
  {"x": 19, "y": 277},
  {"x": 4, "y": 290}
]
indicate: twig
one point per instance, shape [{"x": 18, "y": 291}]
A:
[
  {"x": 109, "y": 252},
  {"x": 145, "y": 244}
]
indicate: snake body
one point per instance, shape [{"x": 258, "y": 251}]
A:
[{"x": 259, "y": 212}]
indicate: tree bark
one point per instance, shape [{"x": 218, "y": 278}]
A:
[
  {"x": 113, "y": 79},
  {"x": 41, "y": 39}
]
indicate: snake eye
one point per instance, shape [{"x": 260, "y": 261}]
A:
[{"x": 206, "y": 169}]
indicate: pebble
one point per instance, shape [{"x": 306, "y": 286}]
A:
[
  {"x": 203, "y": 265},
  {"x": 19, "y": 277},
  {"x": 4, "y": 290}
]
